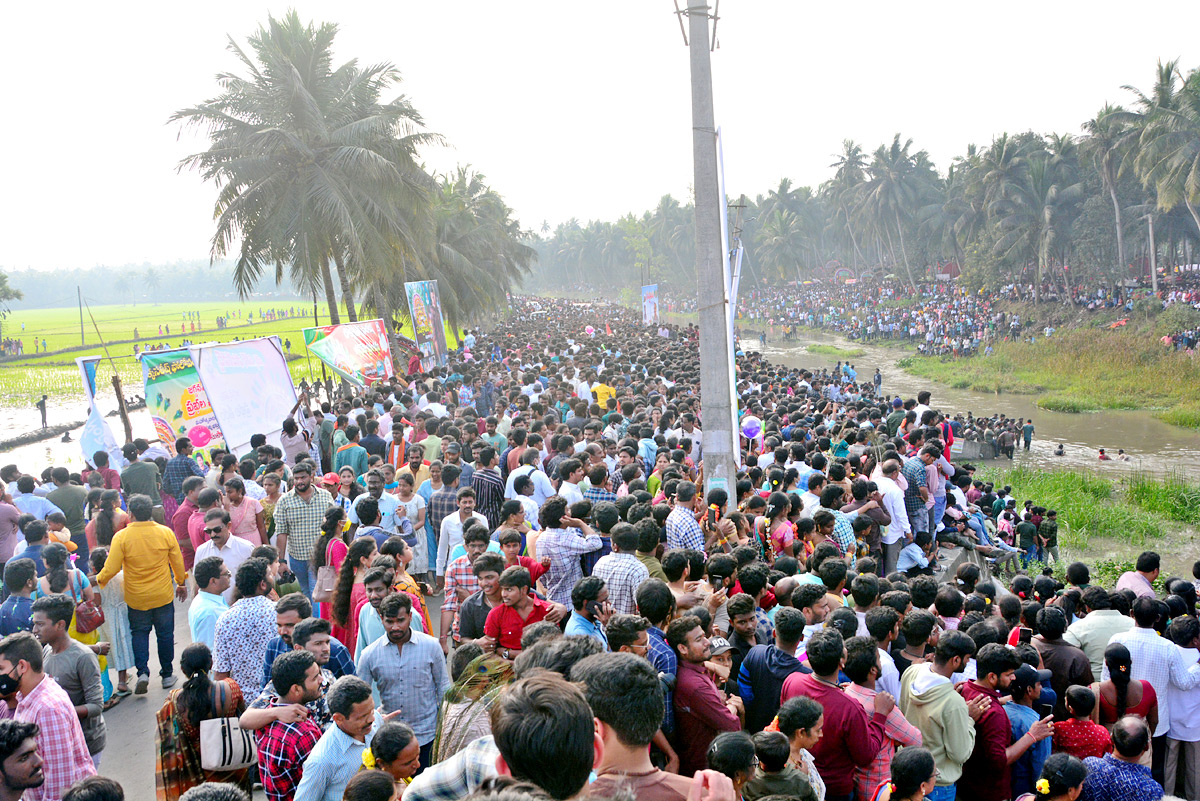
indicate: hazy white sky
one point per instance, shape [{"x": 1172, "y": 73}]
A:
[{"x": 571, "y": 108}]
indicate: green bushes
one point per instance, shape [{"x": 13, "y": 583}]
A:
[
  {"x": 836, "y": 352},
  {"x": 1172, "y": 497},
  {"x": 1087, "y": 504},
  {"x": 1065, "y": 403}
]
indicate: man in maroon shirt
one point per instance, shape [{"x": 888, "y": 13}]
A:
[
  {"x": 986, "y": 775},
  {"x": 179, "y": 521},
  {"x": 701, "y": 710},
  {"x": 851, "y": 739}
]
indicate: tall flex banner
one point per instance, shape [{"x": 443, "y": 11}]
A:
[
  {"x": 177, "y": 402},
  {"x": 429, "y": 330},
  {"x": 249, "y": 386},
  {"x": 650, "y": 304},
  {"x": 358, "y": 352}
]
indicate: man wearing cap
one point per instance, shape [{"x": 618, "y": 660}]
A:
[
  {"x": 986, "y": 774},
  {"x": 1025, "y": 689},
  {"x": 895, "y": 418},
  {"x": 453, "y": 453}
]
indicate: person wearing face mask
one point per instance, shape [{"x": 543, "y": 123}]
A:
[{"x": 42, "y": 702}]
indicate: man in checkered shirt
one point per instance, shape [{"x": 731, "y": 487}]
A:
[
  {"x": 41, "y": 701},
  {"x": 621, "y": 570}
]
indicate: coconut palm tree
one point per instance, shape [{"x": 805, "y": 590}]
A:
[
  {"x": 311, "y": 168},
  {"x": 1168, "y": 153},
  {"x": 1105, "y": 147},
  {"x": 893, "y": 192}
]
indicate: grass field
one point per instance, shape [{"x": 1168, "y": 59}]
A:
[{"x": 23, "y": 380}]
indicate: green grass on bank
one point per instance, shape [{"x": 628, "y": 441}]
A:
[
  {"x": 1081, "y": 370},
  {"x": 24, "y": 380},
  {"x": 835, "y": 352},
  {"x": 1106, "y": 522}
]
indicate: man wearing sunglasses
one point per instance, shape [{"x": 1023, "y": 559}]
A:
[{"x": 221, "y": 542}]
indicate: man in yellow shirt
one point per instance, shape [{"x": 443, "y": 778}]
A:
[{"x": 149, "y": 554}]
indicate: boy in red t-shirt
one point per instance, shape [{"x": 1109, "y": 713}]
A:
[
  {"x": 505, "y": 623},
  {"x": 510, "y": 546}
]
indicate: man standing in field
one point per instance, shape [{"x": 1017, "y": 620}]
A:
[{"x": 41, "y": 405}]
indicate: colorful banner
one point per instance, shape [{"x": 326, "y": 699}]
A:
[
  {"x": 650, "y": 304},
  {"x": 429, "y": 330},
  {"x": 358, "y": 352},
  {"x": 249, "y": 386},
  {"x": 177, "y": 402}
]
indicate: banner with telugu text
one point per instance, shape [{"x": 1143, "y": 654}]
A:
[
  {"x": 358, "y": 352},
  {"x": 429, "y": 329},
  {"x": 177, "y": 402}
]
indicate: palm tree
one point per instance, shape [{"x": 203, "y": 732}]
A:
[
  {"x": 780, "y": 239},
  {"x": 311, "y": 168},
  {"x": 151, "y": 278},
  {"x": 1105, "y": 146},
  {"x": 1168, "y": 156},
  {"x": 894, "y": 191},
  {"x": 1036, "y": 205}
]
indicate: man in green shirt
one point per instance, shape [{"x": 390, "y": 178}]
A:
[
  {"x": 351, "y": 454},
  {"x": 1027, "y": 532},
  {"x": 71, "y": 498},
  {"x": 142, "y": 478},
  {"x": 1048, "y": 534},
  {"x": 895, "y": 418}
]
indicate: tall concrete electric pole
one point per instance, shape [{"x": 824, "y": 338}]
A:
[{"x": 720, "y": 464}]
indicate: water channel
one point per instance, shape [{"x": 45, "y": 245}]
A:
[{"x": 1152, "y": 444}]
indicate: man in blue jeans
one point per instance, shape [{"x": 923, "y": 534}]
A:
[
  {"x": 138, "y": 549},
  {"x": 298, "y": 518}
]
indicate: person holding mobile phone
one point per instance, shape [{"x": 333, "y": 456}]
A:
[{"x": 589, "y": 597}]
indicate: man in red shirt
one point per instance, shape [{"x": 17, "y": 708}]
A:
[
  {"x": 851, "y": 739},
  {"x": 183, "y": 515},
  {"x": 701, "y": 710},
  {"x": 986, "y": 775},
  {"x": 518, "y": 609}
]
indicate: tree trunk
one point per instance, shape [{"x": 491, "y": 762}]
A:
[
  {"x": 330, "y": 294},
  {"x": 1192, "y": 211},
  {"x": 384, "y": 310},
  {"x": 853, "y": 239},
  {"x": 344, "y": 279},
  {"x": 1123, "y": 265},
  {"x": 904, "y": 252}
]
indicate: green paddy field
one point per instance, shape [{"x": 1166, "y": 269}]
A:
[{"x": 24, "y": 379}]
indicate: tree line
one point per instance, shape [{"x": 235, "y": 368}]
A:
[
  {"x": 319, "y": 184},
  {"x": 1052, "y": 210}
]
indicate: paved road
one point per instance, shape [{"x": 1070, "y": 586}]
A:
[{"x": 130, "y": 754}]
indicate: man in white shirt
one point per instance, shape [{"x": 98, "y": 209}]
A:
[
  {"x": 1160, "y": 662},
  {"x": 542, "y": 488},
  {"x": 1183, "y": 738},
  {"x": 899, "y": 531},
  {"x": 221, "y": 542},
  {"x": 812, "y": 497},
  {"x": 572, "y": 473},
  {"x": 451, "y": 534}
]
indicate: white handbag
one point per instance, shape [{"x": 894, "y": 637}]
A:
[{"x": 224, "y": 745}]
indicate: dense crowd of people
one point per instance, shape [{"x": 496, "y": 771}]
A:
[{"x": 506, "y": 579}]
